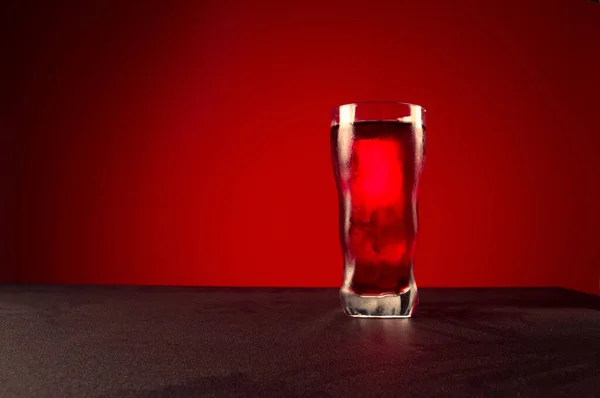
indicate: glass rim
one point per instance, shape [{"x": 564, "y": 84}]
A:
[{"x": 375, "y": 102}]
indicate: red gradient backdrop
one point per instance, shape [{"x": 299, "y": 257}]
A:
[{"x": 187, "y": 142}]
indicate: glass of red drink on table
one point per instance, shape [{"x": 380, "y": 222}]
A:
[{"x": 377, "y": 151}]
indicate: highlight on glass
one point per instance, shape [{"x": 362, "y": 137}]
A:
[{"x": 377, "y": 151}]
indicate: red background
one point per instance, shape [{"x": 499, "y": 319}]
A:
[{"x": 188, "y": 143}]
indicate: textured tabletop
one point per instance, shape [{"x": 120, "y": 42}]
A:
[{"x": 83, "y": 341}]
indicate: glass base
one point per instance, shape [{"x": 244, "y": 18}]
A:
[{"x": 384, "y": 306}]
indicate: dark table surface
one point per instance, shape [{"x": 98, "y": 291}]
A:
[{"x": 79, "y": 341}]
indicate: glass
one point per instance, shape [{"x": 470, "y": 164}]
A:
[{"x": 377, "y": 151}]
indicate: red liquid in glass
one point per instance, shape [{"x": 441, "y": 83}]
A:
[{"x": 377, "y": 167}]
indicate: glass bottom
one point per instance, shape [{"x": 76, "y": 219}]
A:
[{"x": 384, "y": 306}]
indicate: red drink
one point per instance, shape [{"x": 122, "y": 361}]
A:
[{"x": 377, "y": 166}]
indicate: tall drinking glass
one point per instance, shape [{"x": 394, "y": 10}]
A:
[{"x": 377, "y": 150}]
